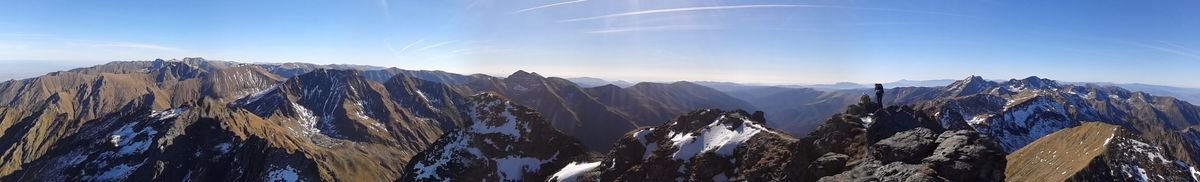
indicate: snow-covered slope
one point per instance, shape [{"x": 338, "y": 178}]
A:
[
  {"x": 504, "y": 142},
  {"x": 1025, "y": 122},
  {"x": 1020, "y": 111},
  {"x": 702, "y": 145},
  {"x": 1095, "y": 152}
]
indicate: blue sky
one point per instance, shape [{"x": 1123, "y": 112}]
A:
[{"x": 749, "y": 41}]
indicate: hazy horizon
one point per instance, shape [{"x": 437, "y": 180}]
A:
[
  {"x": 758, "y": 41},
  {"x": 10, "y": 70}
]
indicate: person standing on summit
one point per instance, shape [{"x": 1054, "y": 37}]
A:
[{"x": 879, "y": 95}]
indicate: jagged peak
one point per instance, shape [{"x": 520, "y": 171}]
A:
[
  {"x": 700, "y": 119},
  {"x": 194, "y": 59},
  {"x": 491, "y": 113},
  {"x": 970, "y": 85},
  {"x": 1032, "y": 82},
  {"x": 699, "y": 132},
  {"x": 974, "y": 78},
  {"x": 486, "y": 97}
]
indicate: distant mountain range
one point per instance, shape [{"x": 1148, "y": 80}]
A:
[
  {"x": 1191, "y": 95},
  {"x": 196, "y": 119}
]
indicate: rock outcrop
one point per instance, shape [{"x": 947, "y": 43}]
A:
[{"x": 922, "y": 151}]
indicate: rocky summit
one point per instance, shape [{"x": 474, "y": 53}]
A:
[{"x": 715, "y": 145}]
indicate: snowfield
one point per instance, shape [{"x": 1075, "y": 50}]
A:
[
  {"x": 721, "y": 137},
  {"x": 572, "y": 171}
]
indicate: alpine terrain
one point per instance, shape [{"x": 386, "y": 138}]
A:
[{"x": 205, "y": 120}]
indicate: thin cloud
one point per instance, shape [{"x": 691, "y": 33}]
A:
[
  {"x": 28, "y": 35},
  {"x": 905, "y": 11},
  {"x": 126, "y": 45},
  {"x": 387, "y": 8},
  {"x": 756, "y": 6},
  {"x": 1169, "y": 50},
  {"x": 547, "y": 6},
  {"x": 410, "y": 45},
  {"x": 94, "y": 43},
  {"x": 435, "y": 45},
  {"x": 1176, "y": 46},
  {"x": 656, "y": 28},
  {"x": 702, "y": 8}
]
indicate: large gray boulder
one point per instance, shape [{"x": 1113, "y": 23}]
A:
[{"x": 907, "y": 146}]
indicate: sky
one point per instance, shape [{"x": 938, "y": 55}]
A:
[{"x": 748, "y": 41}]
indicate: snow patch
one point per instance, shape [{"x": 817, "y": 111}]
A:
[
  {"x": 572, "y": 171},
  {"x": 649, "y": 150},
  {"x": 287, "y": 173},
  {"x": 166, "y": 114},
  {"x": 258, "y": 95},
  {"x": 514, "y": 168},
  {"x": 307, "y": 121},
  {"x": 131, "y": 141},
  {"x": 116, "y": 173},
  {"x": 1195, "y": 174},
  {"x": 1141, "y": 174},
  {"x": 508, "y": 128},
  {"x": 640, "y": 135},
  {"x": 1150, "y": 151},
  {"x": 223, "y": 147},
  {"x": 867, "y": 121},
  {"x": 720, "y": 177},
  {"x": 425, "y": 171},
  {"x": 980, "y": 119},
  {"x": 720, "y": 137}
]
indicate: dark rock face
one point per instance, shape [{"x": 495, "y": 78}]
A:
[
  {"x": 959, "y": 156},
  {"x": 923, "y": 152},
  {"x": 912, "y": 147},
  {"x": 891, "y": 120},
  {"x": 968, "y": 155},
  {"x": 907, "y": 146},
  {"x": 829, "y": 163},
  {"x": 952, "y": 120}
]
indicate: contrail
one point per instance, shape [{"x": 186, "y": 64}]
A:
[
  {"x": 546, "y": 6},
  {"x": 409, "y": 46},
  {"x": 1169, "y": 50},
  {"x": 656, "y": 28},
  {"x": 708, "y": 8},
  {"x": 704, "y": 8},
  {"x": 435, "y": 45}
]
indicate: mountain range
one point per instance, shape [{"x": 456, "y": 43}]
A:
[{"x": 195, "y": 119}]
